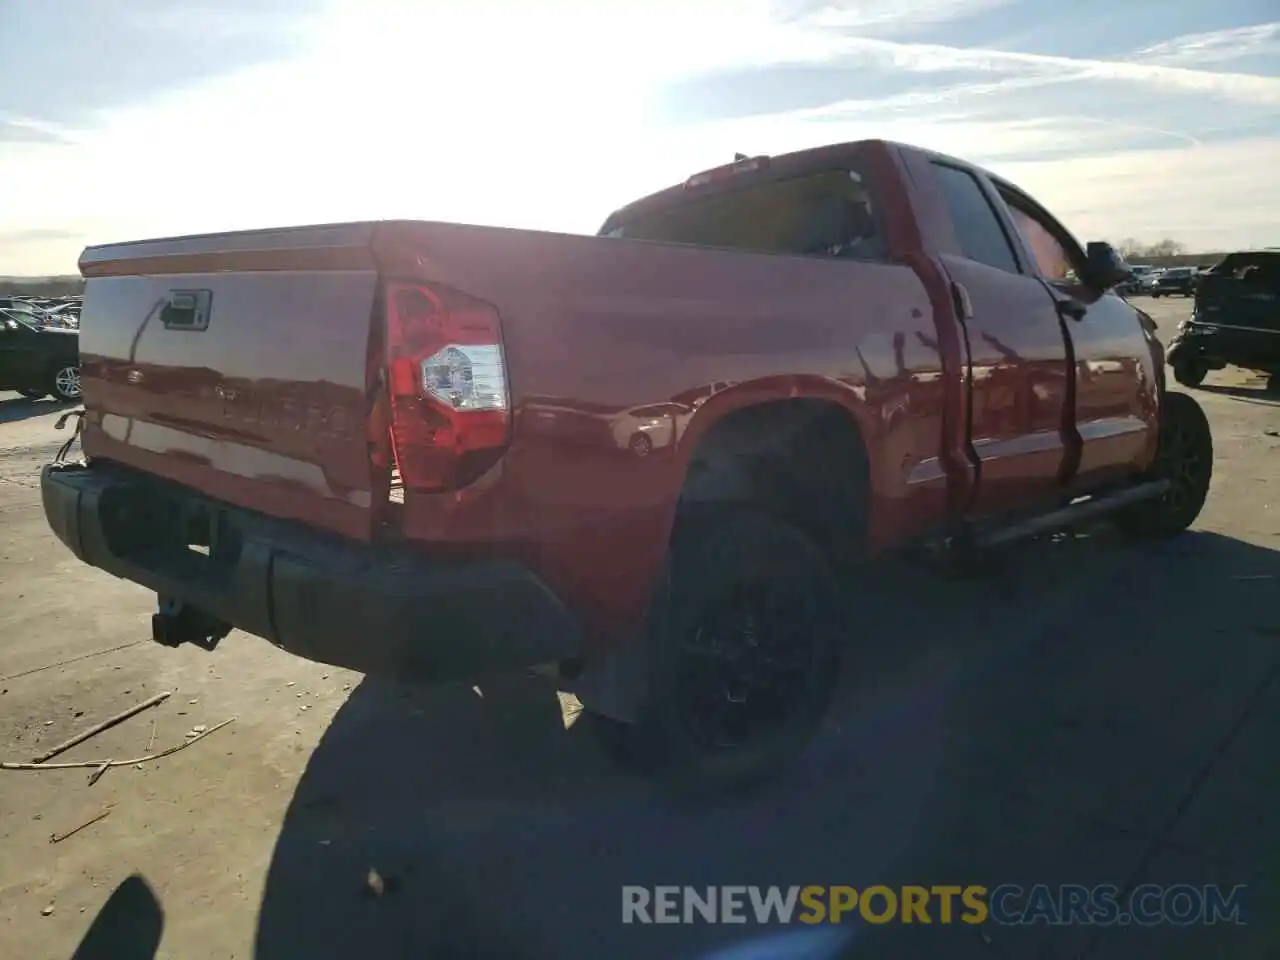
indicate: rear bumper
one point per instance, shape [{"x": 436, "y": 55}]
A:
[{"x": 377, "y": 610}]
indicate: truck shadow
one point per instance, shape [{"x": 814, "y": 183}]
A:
[
  {"x": 20, "y": 408},
  {"x": 1260, "y": 395},
  {"x": 128, "y": 927},
  {"x": 1041, "y": 725}
]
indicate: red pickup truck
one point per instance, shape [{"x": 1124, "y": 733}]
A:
[{"x": 653, "y": 458}]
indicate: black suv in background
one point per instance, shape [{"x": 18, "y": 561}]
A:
[
  {"x": 1176, "y": 280},
  {"x": 1236, "y": 320}
]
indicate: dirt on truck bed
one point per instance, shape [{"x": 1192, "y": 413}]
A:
[{"x": 1116, "y": 724}]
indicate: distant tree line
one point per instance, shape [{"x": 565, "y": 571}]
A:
[
  {"x": 41, "y": 287},
  {"x": 1134, "y": 249}
]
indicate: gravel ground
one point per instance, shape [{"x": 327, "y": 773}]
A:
[{"x": 1096, "y": 713}]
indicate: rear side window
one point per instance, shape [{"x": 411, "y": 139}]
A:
[
  {"x": 981, "y": 236},
  {"x": 831, "y": 213}
]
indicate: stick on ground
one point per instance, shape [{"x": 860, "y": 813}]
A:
[
  {"x": 59, "y": 837},
  {"x": 98, "y": 728},
  {"x": 85, "y": 764}
]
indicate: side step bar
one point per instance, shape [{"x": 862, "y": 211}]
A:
[{"x": 1070, "y": 515}]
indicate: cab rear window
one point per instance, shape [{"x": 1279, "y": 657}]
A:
[{"x": 831, "y": 213}]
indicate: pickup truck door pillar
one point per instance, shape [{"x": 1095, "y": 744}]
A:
[{"x": 1019, "y": 374}]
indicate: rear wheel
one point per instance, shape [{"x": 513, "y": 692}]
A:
[
  {"x": 641, "y": 445},
  {"x": 1190, "y": 373},
  {"x": 1184, "y": 458},
  {"x": 741, "y": 654},
  {"x": 66, "y": 382},
  {"x": 1273, "y": 383}
]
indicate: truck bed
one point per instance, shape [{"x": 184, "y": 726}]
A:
[{"x": 273, "y": 405}]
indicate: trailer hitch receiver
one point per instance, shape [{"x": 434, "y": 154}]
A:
[{"x": 178, "y": 622}]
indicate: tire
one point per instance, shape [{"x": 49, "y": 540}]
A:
[
  {"x": 749, "y": 608},
  {"x": 64, "y": 384},
  {"x": 1185, "y": 458},
  {"x": 1273, "y": 383},
  {"x": 1190, "y": 373},
  {"x": 640, "y": 445},
  {"x": 32, "y": 394}
]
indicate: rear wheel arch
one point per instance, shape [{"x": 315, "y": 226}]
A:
[
  {"x": 751, "y": 458},
  {"x": 802, "y": 459}
]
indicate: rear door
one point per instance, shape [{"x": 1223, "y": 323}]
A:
[
  {"x": 1116, "y": 381},
  {"x": 1020, "y": 430}
]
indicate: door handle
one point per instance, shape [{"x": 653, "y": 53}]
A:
[
  {"x": 960, "y": 300},
  {"x": 1071, "y": 308},
  {"x": 186, "y": 309}
]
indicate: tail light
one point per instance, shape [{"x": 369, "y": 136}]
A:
[{"x": 447, "y": 386}]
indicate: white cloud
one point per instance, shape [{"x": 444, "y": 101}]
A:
[
  {"x": 37, "y": 129},
  {"x": 1034, "y": 69},
  {"x": 402, "y": 111},
  {"x": 888, "y": 17},
  {"x": 1217, "y": 46}
]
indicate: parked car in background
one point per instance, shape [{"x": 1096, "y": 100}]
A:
[
  {"x": 1175, "y": 281},
  {"x": 641, "y": 430},
  {"x": 1236, "y": 320},
  {"x": 63, "y": 315},
  {"x": 1138, "y": 281},
  {"x": 38, "y": 360}
]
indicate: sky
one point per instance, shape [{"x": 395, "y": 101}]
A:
[{"x": 143, "y": 118}]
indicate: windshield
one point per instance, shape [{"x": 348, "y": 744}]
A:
[
  {"x": 29, "y": 320},
  {"x": 828, "y": 213}
]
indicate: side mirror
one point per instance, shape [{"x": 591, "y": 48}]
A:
[{"x": 1106, "y": 266}]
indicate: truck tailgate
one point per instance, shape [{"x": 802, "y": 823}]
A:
[{"x": 239, "y": 365}]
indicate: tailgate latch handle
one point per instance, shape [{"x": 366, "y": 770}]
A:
[{"x": 187, "y": 309}]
